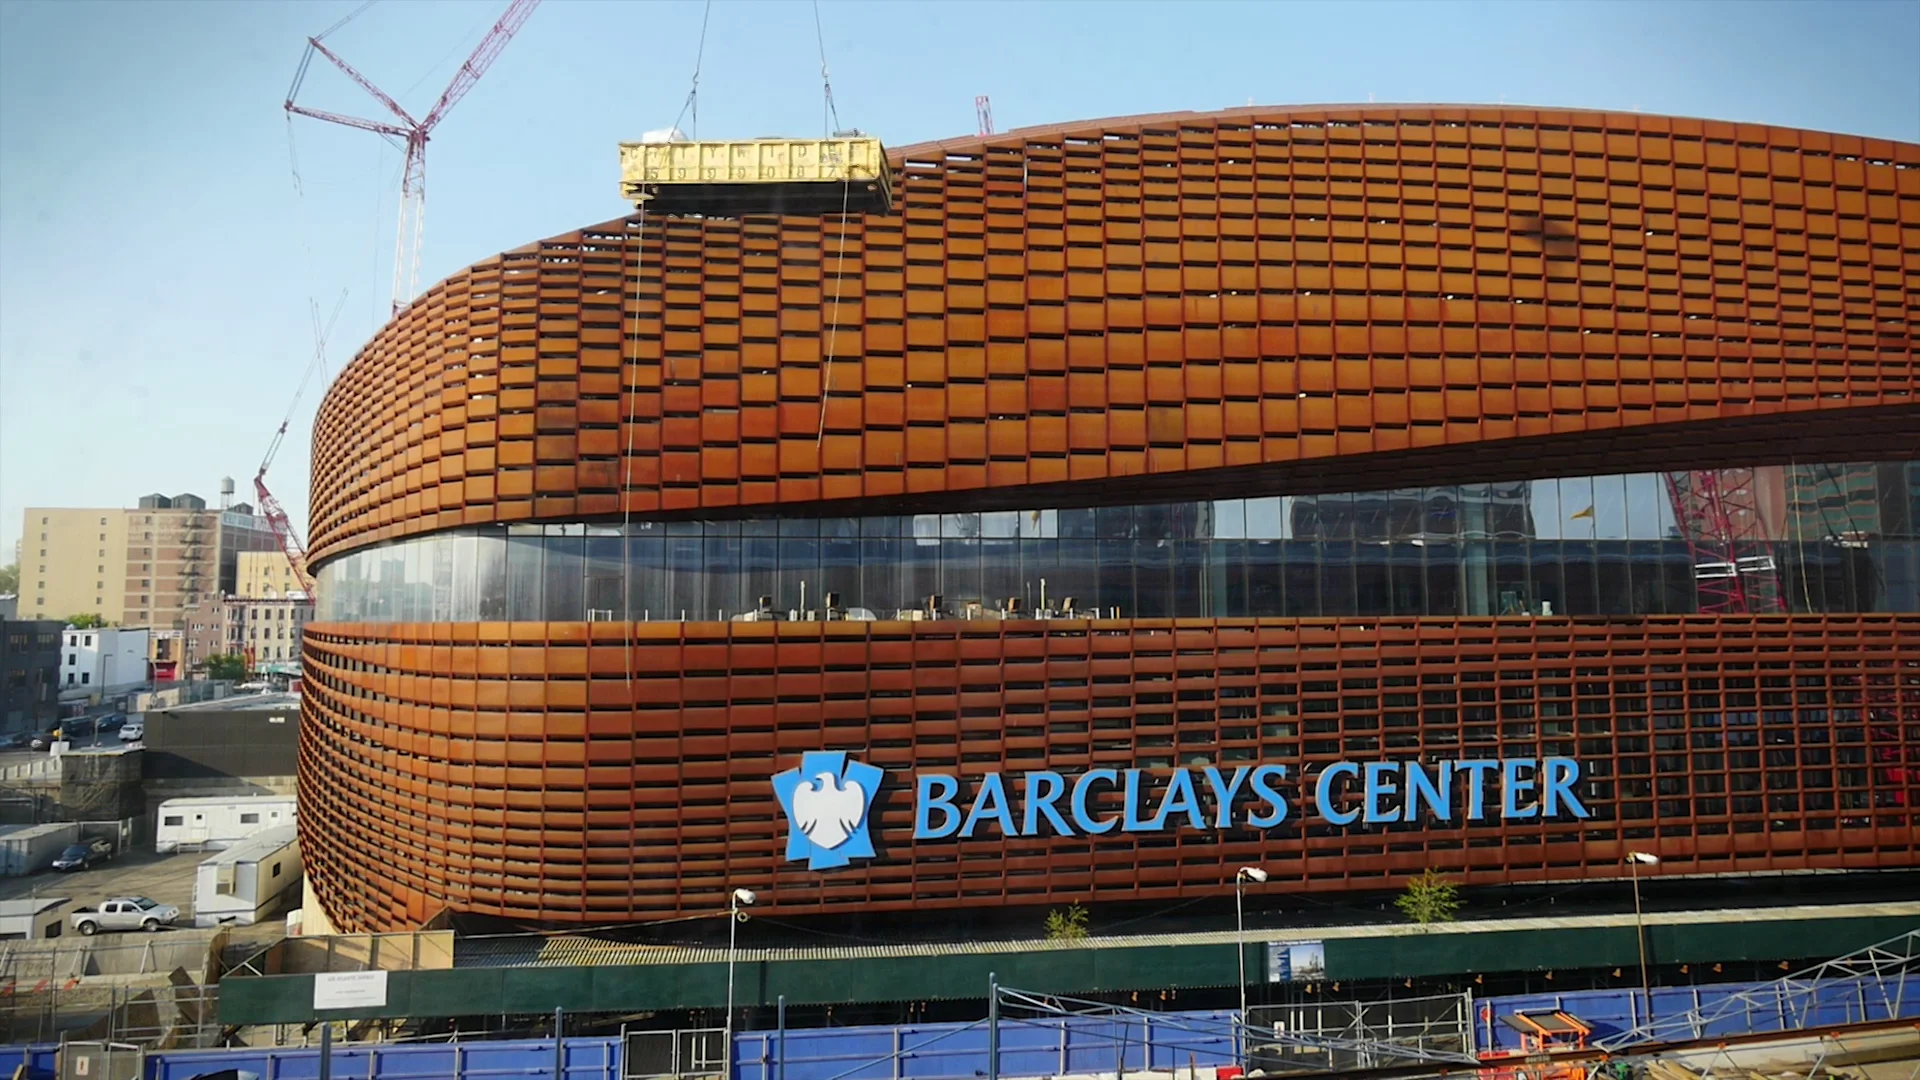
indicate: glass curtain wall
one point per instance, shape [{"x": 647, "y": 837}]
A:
[{"x": 1839, "y": 538}]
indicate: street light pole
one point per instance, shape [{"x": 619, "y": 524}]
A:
[
  {"x": 1635, "y": 859},
  {"x": 735, "y": 900},
  {"x": 1240, "y": 878}
]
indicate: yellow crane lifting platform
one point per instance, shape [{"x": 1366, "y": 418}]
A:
[{"x": 757, "y": 176}]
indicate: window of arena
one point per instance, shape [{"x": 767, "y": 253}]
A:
[{"x": 1829, "y": 538}]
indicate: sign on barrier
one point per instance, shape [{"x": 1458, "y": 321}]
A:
[{"x": 350, "y": 990}]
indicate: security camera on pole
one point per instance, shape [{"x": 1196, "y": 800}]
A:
[
  {"x": 1635, "y": 860},
  {"x": 738, "y": 899},
  {"x": 1240, "y": 878}
]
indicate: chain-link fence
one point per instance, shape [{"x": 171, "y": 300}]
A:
[
  {"x": 153, "y": 989},
  {"x": 154, "y": 1013},
  {"x": 1438, "y": 1024}
]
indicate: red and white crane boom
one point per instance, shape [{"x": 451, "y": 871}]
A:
[{"x": 410, "y": 134}]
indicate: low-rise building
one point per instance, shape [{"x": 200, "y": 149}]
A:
[
  {"x": 228, "y": 747},
  {"x": 101, "y": 660},
  {"x": 266, "y": 630},
  {"x": 29, "y": 674}
]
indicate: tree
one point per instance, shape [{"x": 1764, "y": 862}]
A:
[
  {"x": 1067, "y": 925},
  {"x": 86, "y": 621},
  {"x": 231, "y": 667},
  {"x": 10, "y": 578},
  {"x": 1430, "y": 898}
]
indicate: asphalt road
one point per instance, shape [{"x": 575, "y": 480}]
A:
[{"x": 23, "y": 755}]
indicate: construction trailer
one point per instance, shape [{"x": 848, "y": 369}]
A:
[
  {"x": 250, "y": 880},
  {"x": 32, "y": 918},
  {"x": 214, "y": 823}
]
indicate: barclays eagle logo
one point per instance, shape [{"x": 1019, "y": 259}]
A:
[{"x": 827, "y": 800}]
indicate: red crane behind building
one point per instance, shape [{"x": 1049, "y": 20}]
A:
[
  {"x": 412, "y": 134},
  {"x": 270, "y": 508},
  {"x": 296, "y": 552},
  {"x": 1719, "y": 517}
]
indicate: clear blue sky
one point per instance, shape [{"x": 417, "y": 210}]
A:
[{"x": 155, "y": 271}]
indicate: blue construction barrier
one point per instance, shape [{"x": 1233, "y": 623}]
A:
[
  {"x": 952, "y": 1051},
  {"x": 1028, "y": 1047},
  {"x": 532, "y": 1059},
  {"x": 1095, "y": 1045},
  {"x": 37, "y": 1059}
]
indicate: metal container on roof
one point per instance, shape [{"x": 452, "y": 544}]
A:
[{"x": 757, "y": 176}]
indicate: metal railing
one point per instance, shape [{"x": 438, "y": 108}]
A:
[
  {"x": 1874, "y": 983},
  {"x": 148, "y": 1013},
  {"x": 1359, "y": 1034},
  {"x": 681, "y": 1052}
]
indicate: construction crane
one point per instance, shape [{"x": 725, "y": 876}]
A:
[
  {"x": 1718, "y": 516},
  {"x": 410, "y": 134},
  {"x": 983, "y": 111},
  {"x": 270, "y": 508}
]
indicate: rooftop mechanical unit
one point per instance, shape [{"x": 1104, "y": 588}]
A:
[{"x": 757, "y": 176}]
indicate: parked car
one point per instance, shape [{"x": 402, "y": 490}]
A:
[
  {"x": 74, "y": 857},
  {"x": 125, "y": 913},
  {"x": 12, "y": 742},
  {"x": 133, "y": 731},
  {"x": 113, "y": 723}
]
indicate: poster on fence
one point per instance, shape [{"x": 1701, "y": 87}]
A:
[{"x": 1296, "y": 961}]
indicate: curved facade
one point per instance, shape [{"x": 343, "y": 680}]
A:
[{"x": 1353, "y": 435}]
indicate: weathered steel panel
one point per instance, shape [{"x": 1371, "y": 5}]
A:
[{"x": 411, "y": 804}]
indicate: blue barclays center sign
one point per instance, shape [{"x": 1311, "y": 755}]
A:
[{"x": 828, "y": 799}]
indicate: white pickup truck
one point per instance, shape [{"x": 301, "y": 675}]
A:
[{"x": 125, "y": 913}]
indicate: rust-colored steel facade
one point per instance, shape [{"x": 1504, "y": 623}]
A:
[
  {"x": 1148, "y": 300},
  {"x": 1257, "y": 301},
  {"x": 432, "y": 775}
]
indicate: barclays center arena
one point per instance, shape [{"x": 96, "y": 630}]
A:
[{"x": 1089, "y": 513}]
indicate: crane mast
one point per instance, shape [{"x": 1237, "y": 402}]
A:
[
  {"x": 276, "y": 516},
  {"x": 1718, "y": 515}
]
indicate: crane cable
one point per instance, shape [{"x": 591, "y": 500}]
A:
[
  {"x": 826, "y": 80},
  {"x": 320, "y": 333},
  {"x": 693, "y": 92},
  {"x": 830, "y": 120},
  {"x": 354, "y": 14},
  {"x": 628, "y": 414},
  {"x": 320, "y": 336}
]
